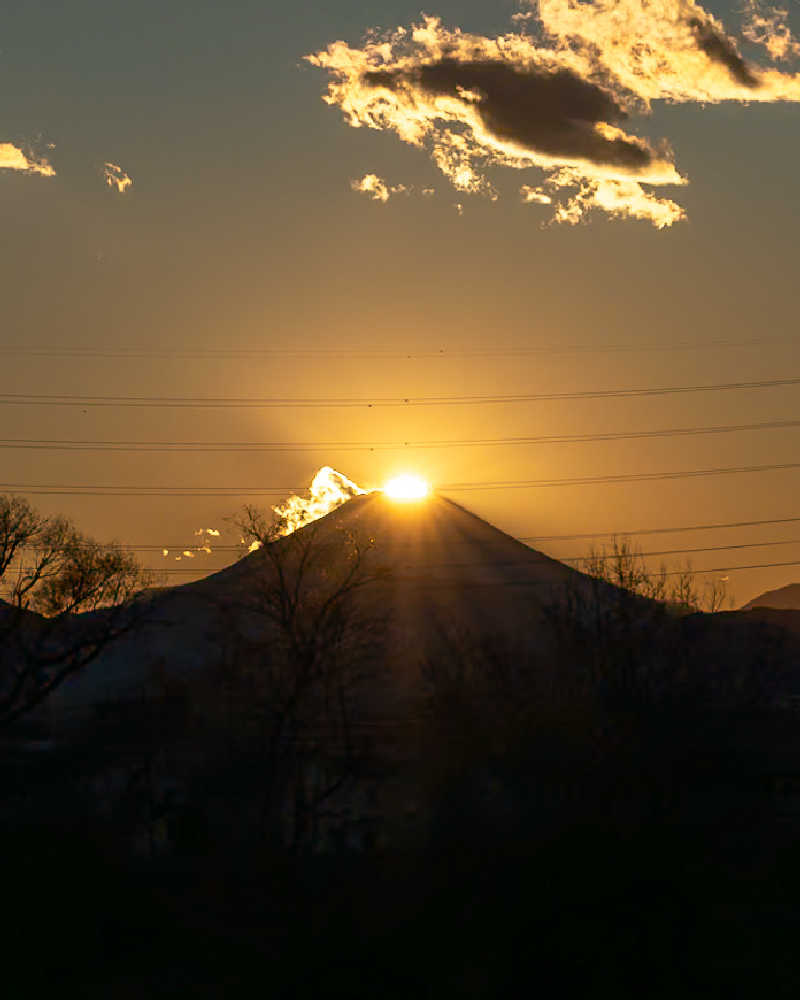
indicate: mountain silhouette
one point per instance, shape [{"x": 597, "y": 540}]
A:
[{"x": 439, "y": 569}]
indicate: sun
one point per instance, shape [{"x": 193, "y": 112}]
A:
[{"x": 407, "y": 487}]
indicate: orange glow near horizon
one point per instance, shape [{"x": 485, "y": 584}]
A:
[{"x": 406, "y": 488}]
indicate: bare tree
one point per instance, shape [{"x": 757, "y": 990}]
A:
[
  {"x": 624, "y": 566},
  {"x": 48, "y": 566},
  {"x": 316, "y": 645}
]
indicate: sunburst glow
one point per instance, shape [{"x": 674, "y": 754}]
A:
[{"x": 407, "y": 487}]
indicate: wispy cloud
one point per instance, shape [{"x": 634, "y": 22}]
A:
[
  {"x": 14, "y": 158},
  {"x": 532, "y": 195},
  {"x": 380, "y": 190},
  {"x": 558, "y": 95},
  {"x": 766, "y": 25},
  {"x": 115, "y": 177},
  {"x": 377, "y": 188}
]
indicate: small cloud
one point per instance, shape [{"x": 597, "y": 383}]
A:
[
  {"x": 14, "y": 158},
  {"x": 428, "y": 192},
  {"x": 531, "y": 195},
  {"x": 165, "y": 553},
  {"x": 188, "y": 554},
  {"x": 459, "y": 208},
  {"x": 115, "y": 177},
  {"x": 377, "y": 188},
  {"x": 213, "y": 532},
  {"x": 620, "y": 199}
]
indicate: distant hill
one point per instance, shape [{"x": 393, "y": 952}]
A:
[{"x": 784, "y": 598}]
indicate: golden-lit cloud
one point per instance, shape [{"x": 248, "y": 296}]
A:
[
  {"x": 377, "y": 188},
  {"x": 769, "y": 26},
  {"x": 619, "y": 199},
  {"x": 534, "y": 195},
  {"x": 329, "y": 489},
  {"x": 557, "y": 94},
  {"x": 661, "y": 50},
  {"x": 14, "y": 158},
  {"x": 115, "y": 177},
  {"x": 204, "y": 534}
]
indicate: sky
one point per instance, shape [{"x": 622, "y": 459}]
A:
[{"x": 345, "y": 201}]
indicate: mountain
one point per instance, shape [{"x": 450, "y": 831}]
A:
[
  {"x": 443, "y": 571},
  {"x": 445, "y": 578},
  {"x": 784, "y": 598}
]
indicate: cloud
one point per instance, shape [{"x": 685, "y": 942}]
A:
[
  {"x": 768, "y": 26},
  {"x": 377, "y": 188},
  {"x": 14, "y": 158},
  {"x": 619, "y": 199},
  {"x": 659, "y": 50},
  {"x": 525, "y": 111},
  {"x": 558, "y": 94},
  {"x": 115, "y": 177},
  {"x": 380, "y": 190},
  {"x": 531, "y": 195},
  {"x": 329, "y": 489}
]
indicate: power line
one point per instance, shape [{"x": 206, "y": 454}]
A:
[
  {"x": 200, "y": 552},
  {"x": 310, "y": 353},
  {"x": 733, "y": 569},
  {"x": 258, "y": 446},
  {"x": 657, "y": 531},
  {"x": 60, "y": 399},
  {"x": 588, "y": 535},
  {"x": 610, "y": 556},
  {"x": 550, "y": 582},
  {"x": 231, "y": 491},
  {"x": 633, "y": 477}
]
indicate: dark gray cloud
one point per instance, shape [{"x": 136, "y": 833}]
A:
[
  {"x": 720, "y": 49},
  {"x": 551, "y": 112}
]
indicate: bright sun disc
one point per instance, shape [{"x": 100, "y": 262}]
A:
[{"x": 406, "y": 488}]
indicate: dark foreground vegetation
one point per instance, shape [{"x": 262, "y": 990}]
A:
[{"x": 616, "y": 809}]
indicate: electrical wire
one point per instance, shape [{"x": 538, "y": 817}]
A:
[
  {"x": 310, "y": 353},
  {"x": 658, "y": 531},
  {"x": 50, "y": 489},
  {"x": 550, "y": 582},
  {"x": 63, "y": 399},
  {"x": 339, "y": 446}
]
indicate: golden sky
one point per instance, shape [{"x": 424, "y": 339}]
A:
[{"x": 566, "y": 199}]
